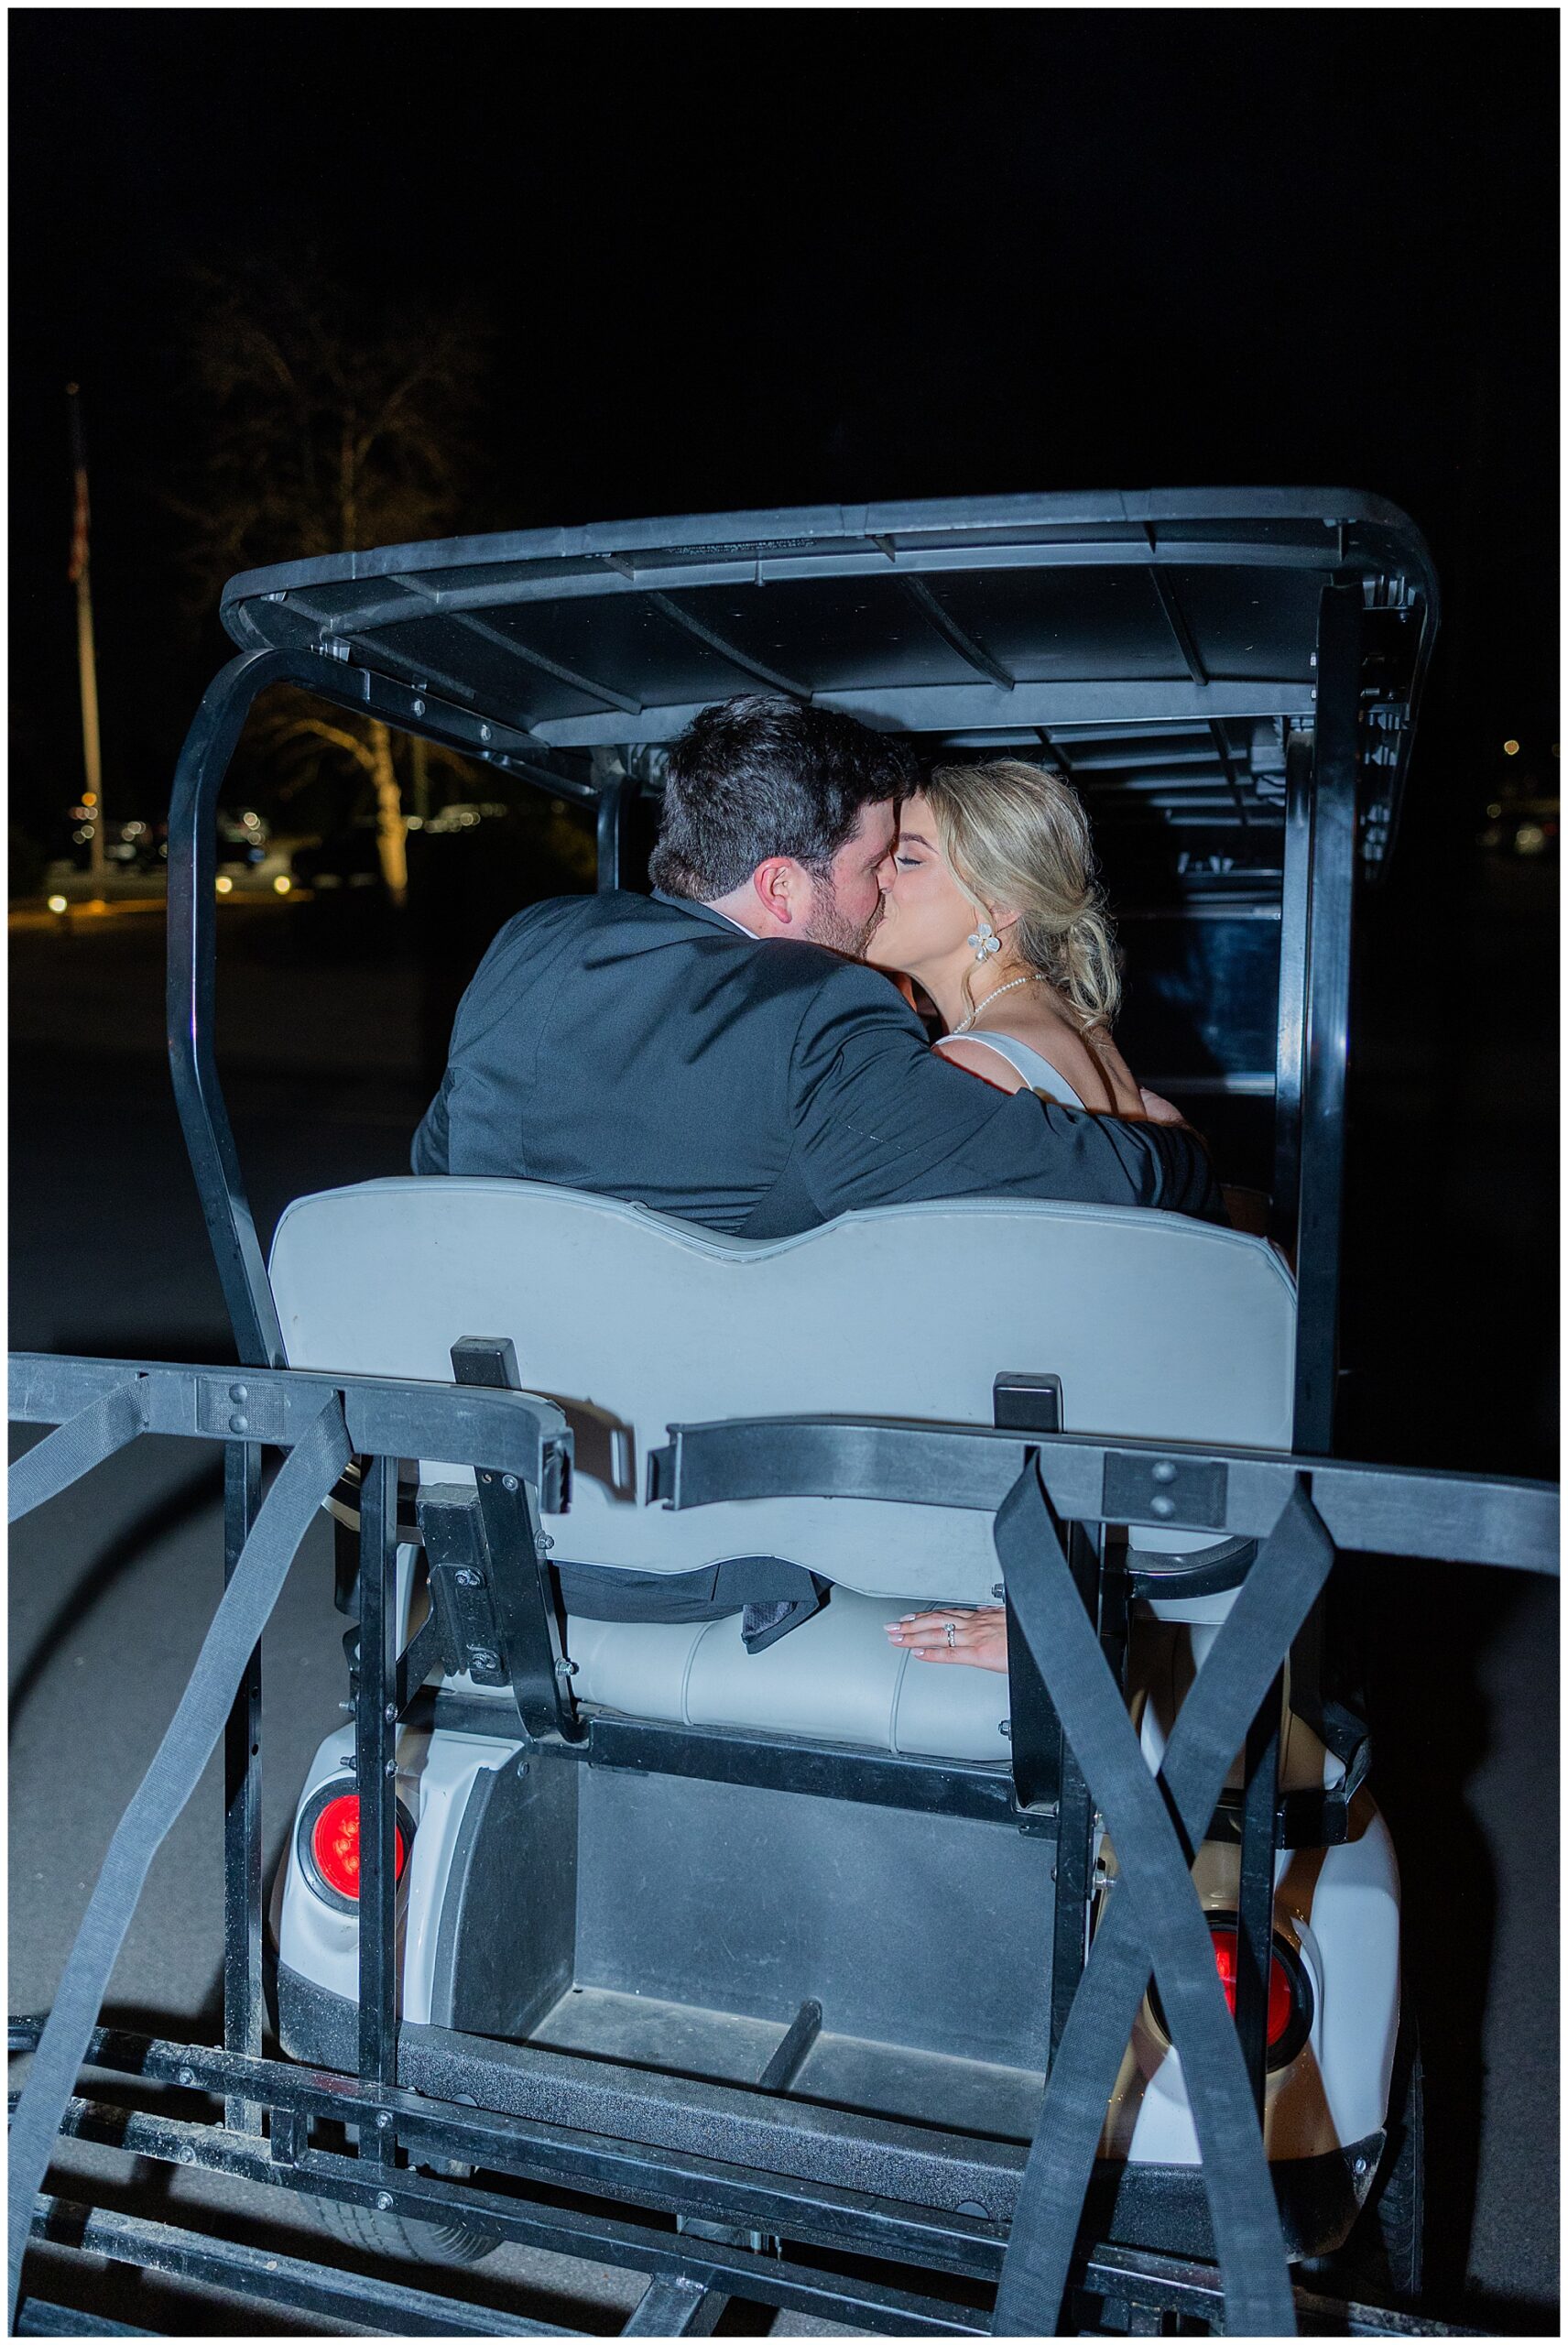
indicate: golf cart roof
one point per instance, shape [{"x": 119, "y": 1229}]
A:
[{"x": 1158, "y": 642}]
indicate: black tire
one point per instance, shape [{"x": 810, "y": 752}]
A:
[
  {"x": 1381, "y": 2259},
  {"x": 374, "y": 2233},
  {"x": 1401, "y": 2209}
]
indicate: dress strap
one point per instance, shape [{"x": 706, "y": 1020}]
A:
[{"x": 1036, "y": 1069}]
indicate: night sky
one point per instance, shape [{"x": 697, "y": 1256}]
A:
[{"x": 735, "y": 258}]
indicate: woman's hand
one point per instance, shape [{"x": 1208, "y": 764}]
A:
[
  {"x": 978, "y": 1640},
  {"x": 1157, "y": 1111}
]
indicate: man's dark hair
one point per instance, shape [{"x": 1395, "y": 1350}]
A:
[{"x": 759, "y": 775}]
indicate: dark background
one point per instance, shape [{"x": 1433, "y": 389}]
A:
[
  {"x": 738, "y": 259},
  {"x": 733, "y": 259}
]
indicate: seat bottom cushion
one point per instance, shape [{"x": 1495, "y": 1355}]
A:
[{"x": 835, "y": 1679}]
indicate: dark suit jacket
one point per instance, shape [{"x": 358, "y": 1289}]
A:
[{"x": 646, "y": 1049}]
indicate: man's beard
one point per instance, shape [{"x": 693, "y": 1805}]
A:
[{"x": 828, "y": 925}]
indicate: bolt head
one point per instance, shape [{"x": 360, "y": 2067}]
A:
[
  {"x": 238, "y": 1423},
  {"x": 508, "y": 1481},
  {"x": 478, "y": 1658},
  {"x": 185, "y": 2076},
  {"x": 188, "y": 2155},
  {"x": 418, "y": 708},
  {"x": 390, "y": 1712},
  {"x": 1164, "y": 1470},
  {"x": 1162, "y": 1506},
  {"x": 384, "y": 2199},
  {"x": 238, "y": 1392},
  {"x": 384, "y": 2121},
  {"x": 391, "y": 1766}
]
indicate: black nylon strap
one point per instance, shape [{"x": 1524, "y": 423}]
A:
[
  {"x": 1285, "y": 1582},
  {"x": 290, "y": 1506},
  {"x": 1156, "y": 1885},
  {"x": 74, "y": 1448},
  {"x": 773, "y": 1595}
]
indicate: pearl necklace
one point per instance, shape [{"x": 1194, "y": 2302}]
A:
[{"x": 1034, "y": 977}]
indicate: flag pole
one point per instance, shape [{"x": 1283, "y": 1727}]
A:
[{"x": 80, "y": 578}]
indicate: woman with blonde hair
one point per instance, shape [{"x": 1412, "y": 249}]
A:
[{"x": 994, "y": 908}]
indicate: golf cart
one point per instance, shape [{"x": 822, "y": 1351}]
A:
[{"x": 766, "y": 1964}]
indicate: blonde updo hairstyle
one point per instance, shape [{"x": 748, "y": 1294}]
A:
[{"x": 1015, "y": 835}]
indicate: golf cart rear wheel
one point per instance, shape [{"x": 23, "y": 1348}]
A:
[
  {"x": 1382, "y": 2257},
  {"x": 374, "y": 2233}
]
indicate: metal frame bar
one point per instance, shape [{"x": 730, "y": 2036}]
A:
[
  {"x": 698, "y": 630},
  {"x": 690, "y": 2259},
  {"x": 956, "y": 708},
  {"x": 612, "y": 824},
  {"x": 244, "y": 1993},
  {"x": 191, "y": 1006},
  {"x": 375, "y": 1772},
  {"x": 1199, "y": 1488},
  {"x": 1227, "y": 763},
  {"x": 1061, "y": 529},
  {"x": 968, "y": 647},
  {"x": 904, "y": 2236},
  {"x": 663, "y": 2177},
  {"x": 284, "y": 2282},
  {"x": 1175, "y": 616},
  {"x": 1254, "y": 1904},
  {"x": 1330, "y": 911},
  {"x": 512, "y": 1433},
  {"x": 823, "y": 1771},
  {"x": 1413, "y": 1512},
  {"x": 1289, "y": 1065},
  {"x": 431, "y": 602}
]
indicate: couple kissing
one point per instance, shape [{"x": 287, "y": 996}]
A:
[{"x": 740, "y": 1049}]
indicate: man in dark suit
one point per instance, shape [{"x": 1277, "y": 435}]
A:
[{"x": 718, "y": 1052}]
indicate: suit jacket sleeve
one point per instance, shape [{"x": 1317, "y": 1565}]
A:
[{"x": 881, "y": 1120}]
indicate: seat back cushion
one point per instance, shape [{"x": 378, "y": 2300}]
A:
[{"x": 1158, "y": 1326}]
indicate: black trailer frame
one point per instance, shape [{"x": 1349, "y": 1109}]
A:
[
  {"x": 472, "y": 644},
  {"x": 577, "y": 2142}
]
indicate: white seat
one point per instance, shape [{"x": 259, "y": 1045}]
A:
[
  {"x": 835, "y": 1679},
  {"x": 1158, "y": 1326}
]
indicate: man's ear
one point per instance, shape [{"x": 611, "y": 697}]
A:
[{"x": 779, "y": 887}]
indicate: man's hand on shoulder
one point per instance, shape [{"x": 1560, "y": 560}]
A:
[{"x": 1157, "y": 1111}]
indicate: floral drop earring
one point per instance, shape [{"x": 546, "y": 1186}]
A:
[{"x": 984, "y": 942}]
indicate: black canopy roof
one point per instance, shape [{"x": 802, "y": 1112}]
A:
[{"x": 1160, "y": 643}]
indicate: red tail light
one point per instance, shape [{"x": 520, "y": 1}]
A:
[
  {"x": 1290, "y": 1991},
  {"x": 1281, "y": 1986},
  {"x": 335, "y": 1844}
]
